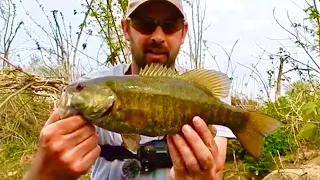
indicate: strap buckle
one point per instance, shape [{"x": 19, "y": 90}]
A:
[{"x": 153, "y": 155}]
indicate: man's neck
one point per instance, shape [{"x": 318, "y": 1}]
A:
[
  {"x": 129, "y": 71},
  {"x": 133, "y": 69}
]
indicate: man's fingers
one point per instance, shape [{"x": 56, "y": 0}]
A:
[
  {"x": 80, "y": 135},
  {"x": 176, "y": 158},
  {"x": 206, "y": 135},
  {"x": 65, "y": 126},
  {"x": 81, "y": 157},
  {"x": 89, "y": 158},
  {"x": 80, "y": 152},
  {"x": 199, "y": 148},
  {"x": 54, "y": 116},
  {"x": 187, "y": 154},
  {"x": 86, "y": 146}
]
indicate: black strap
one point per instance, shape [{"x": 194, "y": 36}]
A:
[
  {"x": 152, "y": 155},
  {"x": 111, "y": 153}
]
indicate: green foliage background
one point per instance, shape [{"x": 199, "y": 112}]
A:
[
  {"x": 296, "y": 110},
  {"x": 23, "y": 116}
]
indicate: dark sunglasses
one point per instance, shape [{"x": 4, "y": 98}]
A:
[{"x": 147, "y": 26}]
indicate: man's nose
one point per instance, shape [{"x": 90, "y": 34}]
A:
[{"x": 158, "y": 35}]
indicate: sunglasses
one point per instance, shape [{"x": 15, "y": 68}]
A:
[{"x": 147, "y": 25}]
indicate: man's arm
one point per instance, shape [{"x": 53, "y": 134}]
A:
[{"x": 221, "y": 141}]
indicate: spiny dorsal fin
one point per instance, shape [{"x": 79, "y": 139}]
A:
[
  {"x": 156, "y": 70},
  {"x": 216, "y": 82}
]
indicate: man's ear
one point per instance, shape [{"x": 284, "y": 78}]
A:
[
  {"x": 184, "y": 32},
  {"x": 125, "y": 28}
]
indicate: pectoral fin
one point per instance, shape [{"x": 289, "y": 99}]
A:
[
  {"x": 213, "y": 130},
  {"x": 131, "y": 141}
]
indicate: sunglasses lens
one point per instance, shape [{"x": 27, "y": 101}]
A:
[
  {"x": 144, "y": 26},
  {"x": 147, "y": 26},
  {"x": 170, "y": 27}
]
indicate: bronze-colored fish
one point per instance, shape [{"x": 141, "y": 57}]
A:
[{"x": 159, "y": 101}]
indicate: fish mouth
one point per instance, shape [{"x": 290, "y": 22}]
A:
[
  {"x": 66, "y": 109},
  {"x": 67, "y": 112}
]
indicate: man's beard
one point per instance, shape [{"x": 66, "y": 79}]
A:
[{"x": 139, "y": 57}]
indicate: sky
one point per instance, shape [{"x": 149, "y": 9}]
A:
[{"x": 250, "y": 22}]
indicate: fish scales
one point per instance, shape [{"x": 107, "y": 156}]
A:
[
  {"x": 159, "y": 107},
  {"x": 162, "y": 106},
  {"x": 229, "y": 116},
  {"x": 159, "y": 101}
]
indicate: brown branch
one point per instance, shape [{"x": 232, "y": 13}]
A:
[
  {"x": 296, "y": 37},
  {"x": 265, "y": 87},
  {"x": 278, "y": 84},
  {"x": 104, "y": 32},
  {"x": 16, "y": 67},
  {"x": 318, "y": 25},
  {"x": 79, "y": 36},
  {"x": 15, "y": 93},
  {"x": 15, "y": 82},
  {"x": 13, "y": 35}
]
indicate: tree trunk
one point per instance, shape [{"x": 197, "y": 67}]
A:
[
  {"x": 278, "y": 87},
  {"x": 5, "y": 65}
]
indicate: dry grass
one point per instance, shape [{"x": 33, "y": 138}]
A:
[{"x": 25, "y": 103}]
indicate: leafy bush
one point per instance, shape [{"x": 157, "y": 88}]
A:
[
  {"x": 294, "y": 110},
  {"x": 278, "y": 142}
]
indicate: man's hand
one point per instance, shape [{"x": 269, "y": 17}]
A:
[
  {"x": 194, "y": 153},
  {"x": 67, "y": 149}
]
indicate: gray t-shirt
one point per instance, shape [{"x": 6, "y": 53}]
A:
[{"x": 106, "y": 170}]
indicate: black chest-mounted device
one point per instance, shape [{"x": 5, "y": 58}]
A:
[{"x": 151, "y": 155}]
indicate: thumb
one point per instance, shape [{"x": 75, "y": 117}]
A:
[{"x": 54, "y": 116}]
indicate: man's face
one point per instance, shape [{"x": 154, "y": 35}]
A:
[{"x": 155, "y": 44}]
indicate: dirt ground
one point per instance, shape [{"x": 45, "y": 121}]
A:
[{"x": 306, "y": 161}]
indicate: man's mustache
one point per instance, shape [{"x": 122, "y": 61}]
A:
[{"x": 156, "y": 48}]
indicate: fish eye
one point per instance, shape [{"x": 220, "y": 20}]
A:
[{"x": 80, "y": 86}]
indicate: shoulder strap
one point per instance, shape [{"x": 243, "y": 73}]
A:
[{"x": 111, "y": 153}]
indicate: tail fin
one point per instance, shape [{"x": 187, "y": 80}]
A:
[{"x": 256, "y": 127}]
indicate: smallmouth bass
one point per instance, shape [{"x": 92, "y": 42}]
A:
[{"x": 159, "y": 101}]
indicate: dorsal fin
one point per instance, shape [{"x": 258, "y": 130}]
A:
[
  {"x": 216, "y": 82},
  {"x": 156, "y": 70}
]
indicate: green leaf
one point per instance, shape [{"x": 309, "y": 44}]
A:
[
  {"x": 309, "y": 110},
  {"x": 308, "y": 131}
]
